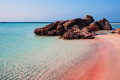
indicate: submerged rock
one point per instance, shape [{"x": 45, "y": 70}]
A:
[
  {"x": 116, "y": 31},
  {"x": 79, "y": 28}
]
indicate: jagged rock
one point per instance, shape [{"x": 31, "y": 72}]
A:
[
  {"x": 46, "y": 29},
  {"x": 76, "y": 33},
  {"x": 103, "y": 24},
  {"x": 56, "y": 28},
  {"x": 79, "y": 28},
  {"x": 52, "y": 33},
  {"x": 93, "y": 27},
  {"x": 40, "y": 31},
  {"x": 62, "y": 26},
  {"x": 80, "y": 22},
  {"x": 116, "y": 31}
]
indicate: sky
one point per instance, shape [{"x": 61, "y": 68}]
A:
[{"x": 52, "y": 10}]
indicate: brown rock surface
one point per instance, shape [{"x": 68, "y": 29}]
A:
[
  {"x": 103, "y": 24},
  {"x": 74, "y": 29},
  {"x": 76, "y": 33},
  {"x": 116, "y": 31},
  {"x": 93, "y": 27}
]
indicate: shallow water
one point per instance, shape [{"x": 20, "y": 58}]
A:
[{"x": 26, "y": 56}]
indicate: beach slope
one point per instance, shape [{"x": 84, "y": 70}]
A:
[{"x": 102, "y": 64}]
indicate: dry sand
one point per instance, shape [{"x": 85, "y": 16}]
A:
[
  {"x": 102, "y": 64},
  {"x": 111, "y": 57}
]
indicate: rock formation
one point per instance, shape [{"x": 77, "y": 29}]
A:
[
  {"x": 79, "y": 28},
  {"x": 103, "y": 24},
  {"x": 76, "y": 33},
  {"x": 116, "y": 31}
]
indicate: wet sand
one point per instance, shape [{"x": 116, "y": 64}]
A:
[
  {"x": 102, "y": 64},
  {"x": 97, "y": 59}
]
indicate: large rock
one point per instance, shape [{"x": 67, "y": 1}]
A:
[
  {"x": 76, "y": 33},
  {"x": 60, "y": 27},
  {"x": 79, "y": 28},
  {"x": 93, "y": 27},
  {"x": 116, "y": 31},
  {"x": 46, "y": 29},
  {"x": 78, "y": 21},
  {"x": 103, "y": 24}
]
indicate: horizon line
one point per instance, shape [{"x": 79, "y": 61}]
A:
[
  {"x": 41, "y": 22},
  {"x": 26, "y": 22}
]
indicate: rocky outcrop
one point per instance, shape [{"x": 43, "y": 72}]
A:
[
  {"x": 60, "y": 27},
  {"x": 76, "y": 33},
  {"x": 103, "y": 24},
  {"x": 116, "y": 31},
  {"x": 53, "y": 29},
  {"x": 79, "y": 28},
  {"x": 93, "y": 27}
]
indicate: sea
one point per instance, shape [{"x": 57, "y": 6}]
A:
[{"x": 25, "y": 56}]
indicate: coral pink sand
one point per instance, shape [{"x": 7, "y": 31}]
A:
[{"x": 102, "y": 64}]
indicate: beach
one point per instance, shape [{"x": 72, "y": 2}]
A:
[
  {"x": 105, "y": 67},
  {"x": 25, "y": 56},
  {"x": 111, "y": 54},
  {"x": 60, "y": 40}
]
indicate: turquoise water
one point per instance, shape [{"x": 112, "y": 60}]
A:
[
  {"x": 17, "y": 38},
  {"x": 26, "y": 56},
  {"x": 115, "y": 25}
]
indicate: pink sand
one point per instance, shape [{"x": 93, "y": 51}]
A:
[{"x": 105, "y": 67}]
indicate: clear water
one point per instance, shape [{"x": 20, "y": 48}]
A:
[
  {"x": 26, "y": 56},
  {"x": 115, "y": 25}
]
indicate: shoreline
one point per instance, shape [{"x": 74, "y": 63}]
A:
[
  {"x": 112, "y": 66},
  {"x": 78, "y": 59},
  {"x": 104, "y": 67}
]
